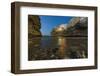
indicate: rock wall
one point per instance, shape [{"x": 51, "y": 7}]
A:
[
  {"x": 34, "y": 26},
  {"x": 77, "y": 26},
  {"x": 79, "y": 29},
  {"x": 34, "y": 34}
]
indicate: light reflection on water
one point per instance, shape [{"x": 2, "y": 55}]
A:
[
  {"x": 46, "y": 48},
  {"x": 62, "y": 46}
]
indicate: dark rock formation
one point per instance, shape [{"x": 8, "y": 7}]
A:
[
  {"x": 34, "y": 34},
  {"x": 80, "y": 28},
  {"x": 34, "y": 26}
]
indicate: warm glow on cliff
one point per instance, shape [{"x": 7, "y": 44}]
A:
[{"x": 61, "y": 27}]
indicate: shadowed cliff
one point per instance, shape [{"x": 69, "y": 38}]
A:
[
  {"x": 34, "y": 26},
  {"x": 34, "y": 33}
]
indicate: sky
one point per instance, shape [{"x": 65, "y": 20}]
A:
[{"x": 50, "y": 22}]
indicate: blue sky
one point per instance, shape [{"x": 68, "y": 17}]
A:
[{"x": 49, "y": 22}]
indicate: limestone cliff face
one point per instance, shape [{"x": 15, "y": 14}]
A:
[
  {"x": 34, "y": 26},
  {"x": 77, "y": 26}
]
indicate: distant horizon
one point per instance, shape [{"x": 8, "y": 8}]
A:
[{"x": 50, "y": 22}]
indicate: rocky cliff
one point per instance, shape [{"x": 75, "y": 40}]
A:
[
  {"x": 34, "y": 26},
  {"x": 77, "y": 26},
  {"x": 34, "y": 34}
]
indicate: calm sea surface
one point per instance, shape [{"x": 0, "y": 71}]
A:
[{"x": 47, "y": 48}]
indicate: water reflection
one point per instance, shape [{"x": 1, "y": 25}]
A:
[
  {"x": 46, "y": 48},
  {"x": 62, "y": 47}
]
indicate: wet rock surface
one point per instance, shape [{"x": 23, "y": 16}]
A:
[{"x": 58, "y": 48}]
